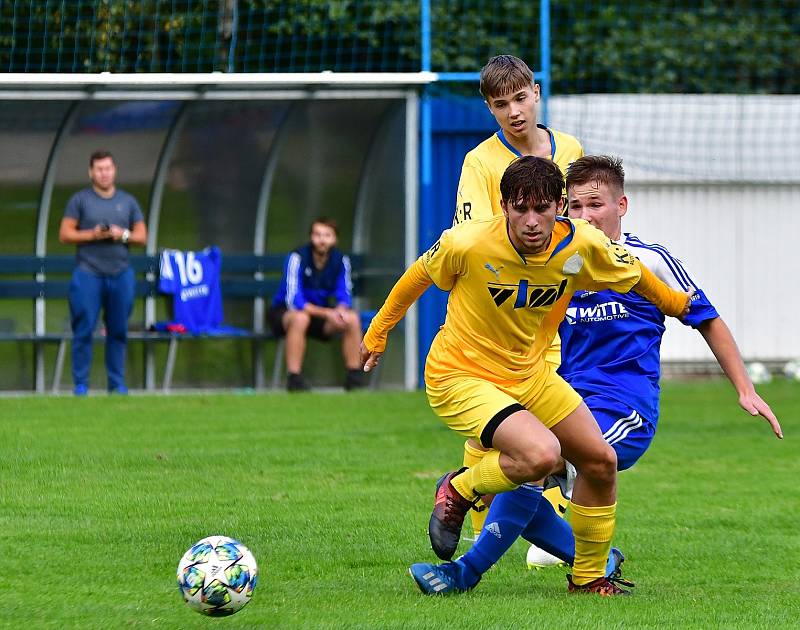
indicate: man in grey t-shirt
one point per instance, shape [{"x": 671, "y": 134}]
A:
[{"x": 103, "y": 222}]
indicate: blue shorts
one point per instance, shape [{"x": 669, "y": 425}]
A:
[{"x": 623, "y": 428}]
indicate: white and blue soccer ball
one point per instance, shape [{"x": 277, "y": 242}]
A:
[
  {"x": 792, "y": 370},
  {"x": 758, "y": 373},
  {"x": 217, "y": 576}
]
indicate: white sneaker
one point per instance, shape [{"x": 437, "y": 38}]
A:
[{"x": 539, "y": 559}]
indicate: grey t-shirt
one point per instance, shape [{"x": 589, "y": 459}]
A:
[{"x": 90, "y": 209}]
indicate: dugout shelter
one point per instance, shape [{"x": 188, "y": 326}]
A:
[{"x": 241, "y": 161}]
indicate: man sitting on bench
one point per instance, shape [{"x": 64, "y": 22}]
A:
[{"x": 315, "y": 299}]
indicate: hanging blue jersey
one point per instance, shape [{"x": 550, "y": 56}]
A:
[
  {"x": 193, "y": 279},
  {"x": 611, "y": 342},
  {"x": 302, "y": 282}
]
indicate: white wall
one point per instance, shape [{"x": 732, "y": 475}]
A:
[
  {"x": 740, "y": 243},
  {"x": 717, "y": 180}
]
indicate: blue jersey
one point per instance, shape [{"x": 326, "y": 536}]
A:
[
  {"x": 193, "y": 279},
  {"x": 302, "y": 282},
  {"x": 611, "y": 342}
]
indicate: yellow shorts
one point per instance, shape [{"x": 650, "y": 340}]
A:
[{"x": 474, "y": 407}]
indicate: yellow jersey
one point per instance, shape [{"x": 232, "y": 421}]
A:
[
  {"x": 504, "y": 308},
  {"x": 478, "y": 195}
]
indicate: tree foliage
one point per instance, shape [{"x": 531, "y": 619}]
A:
[{"x": 740, "y": 46}]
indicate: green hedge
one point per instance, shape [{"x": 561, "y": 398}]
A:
[{"x": 620, "y": 46}]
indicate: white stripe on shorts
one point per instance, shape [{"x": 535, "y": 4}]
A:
[{"x": 620, "y": 429}]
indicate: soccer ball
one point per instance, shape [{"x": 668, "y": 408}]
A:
[
  {"x": 217, "y": 576},
  {"x": 758, "y": 373},
  {"x": 792, "y": 370}
]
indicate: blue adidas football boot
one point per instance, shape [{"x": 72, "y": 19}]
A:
[
  {"x": 440, "y": 579},
  {"x": 614, "y": 568}
]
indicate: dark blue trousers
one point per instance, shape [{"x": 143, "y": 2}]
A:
[{"x": 88, "y": 293}]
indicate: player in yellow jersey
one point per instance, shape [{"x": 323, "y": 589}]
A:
[
  {"x": 510, "y": 278},
  {"x": 506, "y": 84},
  {"x": 508, "y": 88}
]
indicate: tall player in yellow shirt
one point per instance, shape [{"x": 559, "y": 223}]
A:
[
  {"x": 510, "y": 278},
  {"x": 506, "y": 84},
  {"x": 508, "y": 88}
]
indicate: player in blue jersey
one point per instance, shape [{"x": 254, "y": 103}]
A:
[
  {"x": 611, "y": 357},
  {"x": 612, "y": 348},
  {"x": 316, "y": 299},
  {"x": 611, "y": 342}
]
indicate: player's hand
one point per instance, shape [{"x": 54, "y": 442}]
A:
[
  {"x": 688, "y": 304},
  {"x": 335, "y": 318},
  {"x": 101, "y": 232},
  {"x": 116, "y": 232},
  {"x": 341, "y": 312},
  {"x": 753, "y": 404},
  {"x": 369, "y": 359}
]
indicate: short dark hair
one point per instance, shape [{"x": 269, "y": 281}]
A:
[
  {"x": 531, "y": 179},
  {"x": 604, "y": 169},
  {"x": 327, "y": 221},
  {"x": 504, "y": 74},
  {"x": 100, "y": 154}
]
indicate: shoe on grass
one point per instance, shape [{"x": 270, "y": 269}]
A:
[
  {"x": 447, "y": 518},
  {"x": 440, "y": 579},
  {"x": 601, "y": 586}
]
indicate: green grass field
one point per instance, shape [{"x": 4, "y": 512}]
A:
[{"x": 100, "y": 497}]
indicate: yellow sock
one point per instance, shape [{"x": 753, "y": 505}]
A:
[
  {"x": 472, "y": 457},
  {"x": 486, "y": 477},
  {"x": 593, "y": 528}
]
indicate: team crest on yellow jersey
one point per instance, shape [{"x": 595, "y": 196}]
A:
[
  {"x": 621, "y": 256},
  {"x": 573, "y": 264}
]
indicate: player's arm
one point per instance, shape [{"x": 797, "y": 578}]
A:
[
  {"x": 668, "y": 300},
  {"x": 441, "y": 265},
  {"x": 704, "y": 317},
  {"x": 411, "y": 285},
  {"x": 472, "y": 198},
  {"x": 719, "y": 338},
  {"x": 138, "y": 234},
  {"x": 611, "y": 266},
  {"x": 344, "y": 285},
  {"x": 293, "y": 278},
  {"x": 316, "y": 311},
  {"x": 135, "y": 236},
  {"x": 68, "y": 231},
  {"x": 69, "y": 234}
]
